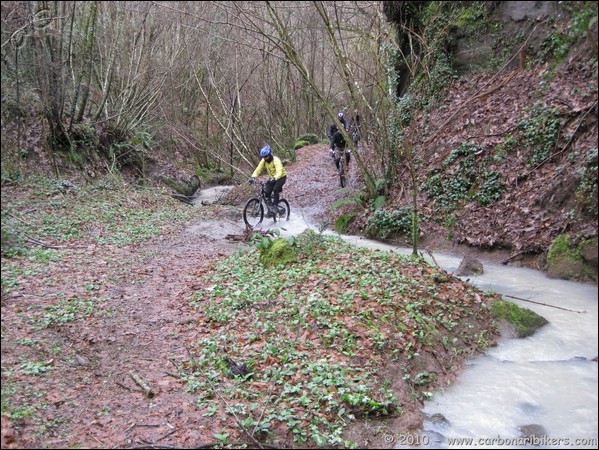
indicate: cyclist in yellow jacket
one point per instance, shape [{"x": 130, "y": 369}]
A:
[{"x": 276, "y": 172}]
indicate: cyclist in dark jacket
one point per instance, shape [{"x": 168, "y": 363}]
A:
[
  {"x": 333, "y": 128},
  {"x": 354, "y": 127},
  {"x": 339, "y": 148}
]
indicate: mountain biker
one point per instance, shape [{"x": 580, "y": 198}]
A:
[
  {"x": 278, "y": 177},
  {"x": 338, "y": 148},
  {"x": 354, "y": 125},
  {"x": 333, "y": 128}
]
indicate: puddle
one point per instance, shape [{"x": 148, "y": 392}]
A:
[{"x": 210, "y": 195}]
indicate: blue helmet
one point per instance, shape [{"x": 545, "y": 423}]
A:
[{"x": 265, "y": 151}]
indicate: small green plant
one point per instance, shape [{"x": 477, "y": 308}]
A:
[
  {"x": 384, "y": 224},
  {"x": 35, "y": 368},
  {"x": 67, "y": 311},
  {"x": 222, "y": 437},
  {"x": 539, "y": 132},
  {"x": 491, "y": 190}
]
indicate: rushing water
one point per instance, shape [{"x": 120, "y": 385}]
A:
[{"x": 544, "y": 385}]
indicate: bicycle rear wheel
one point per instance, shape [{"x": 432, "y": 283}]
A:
[
  {"x": 253, "y": 212},
  {"x": 342, "y": 174}
]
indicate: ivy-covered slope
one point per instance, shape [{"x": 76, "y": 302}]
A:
[{"x": 506, "y": 153}]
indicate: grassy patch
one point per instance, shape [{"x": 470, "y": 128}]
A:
[
  {"x": 63, "y": 246},
  {"x": 101, "y": 213},
  {"x": 316, "y": 334}
]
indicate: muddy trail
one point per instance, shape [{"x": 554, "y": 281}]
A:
[{"x": 146, "y": 330}]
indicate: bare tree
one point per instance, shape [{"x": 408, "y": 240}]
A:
[{"x": 227, "y": 77}]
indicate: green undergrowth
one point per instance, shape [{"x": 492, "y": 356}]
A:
[
  {"x": 316, "y": 334},
  {"x": 64, "y": 246},
  {"x": 56, "y": 212},
  {"x": 50, "y": 223}
]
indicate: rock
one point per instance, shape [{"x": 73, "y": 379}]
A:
[
  {"x": 81, "y": 360},
  {"x": 470, "y": 266},
  {"x": 532, "y": 430},
  {"x": 589, "y": 253},
  {"x": 239, "y": 370},
  {"x": 439, "y": 420}
]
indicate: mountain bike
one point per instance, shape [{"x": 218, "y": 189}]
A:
[
  {"x": 342, "y": 158},
  {"x": 354, "y": 132},
  {"x": 257, "y": 207}
]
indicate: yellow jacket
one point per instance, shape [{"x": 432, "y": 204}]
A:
[{"x": 274, "y": 169}]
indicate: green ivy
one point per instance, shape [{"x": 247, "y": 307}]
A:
[
  {"x": 384, "y": 224},
  {"x": 555, "y": 47},
  {"x": 491, "y": 189},
  {"x": 539, "y": 132},
  {"x": 586, "y": 192},
  {"x": 457, "y": 180}
]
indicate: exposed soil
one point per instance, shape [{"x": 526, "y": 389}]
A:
[{"x": 147, "y": 328}]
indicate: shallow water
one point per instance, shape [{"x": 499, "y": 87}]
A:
[
  {"x": 547, "y": 379},
  {"x": 210, "y": 195}
]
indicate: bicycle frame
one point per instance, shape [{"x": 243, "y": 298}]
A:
[
  {"x": 255, "y": 207},
  {"x": 342, "y": 166}
]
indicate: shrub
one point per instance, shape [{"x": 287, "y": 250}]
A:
[
  {"x": 278, "y": 252},
  {"x": 306, "y": 139},
  {"x": 342, "y": 223},
  {"x": 300, "y": 144},
  {"x": 384, "y": 224}
]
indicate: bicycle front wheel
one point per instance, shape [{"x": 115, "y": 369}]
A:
[
  {"x": 284, "y": 210},
  {"x": 253, "y": 212}
]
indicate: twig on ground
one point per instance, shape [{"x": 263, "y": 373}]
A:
[
  {"x": 127, "y": 387},
  {"x": 543, "y": 304},
  {"x": 142, "y": 384},
  {"x": 166, "y": 435}
]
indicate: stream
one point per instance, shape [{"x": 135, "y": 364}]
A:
[{"x": 536, "y": 392}]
